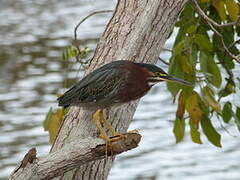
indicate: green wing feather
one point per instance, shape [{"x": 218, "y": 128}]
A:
[{"x": 94, "y": 86}]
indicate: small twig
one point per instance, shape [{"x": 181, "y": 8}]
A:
[
  {"x": 235, "y": 23},
  {"x": 201, "y": 12},
  {"x": 225, "y": 129},
  {"x": 75, "y": 34},
  {"x": 166, "y": 49},
  {"x": 163, "y": 61},
  {"x": 224, "y": 45},
  {"x": 234, "y": 43},
  {"x": 84, "y": 19},
  {"x": 212, "y": 23}
]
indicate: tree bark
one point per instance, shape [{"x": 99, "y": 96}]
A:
[
  {"x": 136, "y": 32},
  {"x": 71, "y": 156}
]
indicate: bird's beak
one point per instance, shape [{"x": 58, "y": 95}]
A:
[{"x": 177, "y": 80}]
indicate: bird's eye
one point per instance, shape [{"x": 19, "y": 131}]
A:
[{"x": 160, "y": 74}]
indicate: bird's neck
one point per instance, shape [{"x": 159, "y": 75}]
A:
[{"x": 151, "y": 81}]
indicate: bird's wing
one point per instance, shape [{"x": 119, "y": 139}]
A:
[{"x": 92, "y": 88}]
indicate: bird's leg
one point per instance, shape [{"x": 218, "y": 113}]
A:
[
  {"x": 97, "y": 116},
  {"x": 109, "y": 126},
  {"x": 100, "y": 115}
]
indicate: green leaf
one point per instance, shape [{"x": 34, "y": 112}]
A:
[
  {"x": 180, "y": 35},
  {"x": 193, "y": 107},
  {"x": 238, "y": 30},
  {"x": 193, "y": 53},
  {"x": 219, "y": 5},
  {"x": 52, "y": 123},
  {"x": 179, "y": 66},
  {"x": 179, "y": 129},
  {"x": 184, "y": 63},
  {"x": 188, "y": 11},
  {"x": 228, "y": 37},
  {"x": 174, "y": 69},
  {"x": 179, "y": 48},
  {"x": 84, "y": 52},
  {"x": 233, "y": 9},
  {"x": 65, "y": 56},
  {"x": 47, "y": 119},
  {"x": 213, "y": 14},
  {"x": 208, "y": 96},
  {"x": 187, "y": 17},
  {"x": 69, "y": 52},
  {"x": 204, "y": 1},
  {"x": 212, "y": 135},
  {"x": 237, "y": 118},
  {"x": 228, "y": 89},
  {"x": 208, "y": 66},
  {"x": 223, "y": 57},
  {"x": 192, "y": 29},
  {"x": 181, "y": 105},
  {"x": 227, "y": 112},
  {"x": 72, "y": 51},
  {"x": 203, "y": 42},
  {"x": 195, "y": 135}
]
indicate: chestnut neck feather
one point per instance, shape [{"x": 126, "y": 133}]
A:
[{"x": 137, "y": 84}]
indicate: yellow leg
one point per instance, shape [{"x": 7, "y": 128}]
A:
[
  {"x": 100, "y": 116},
  {"x": 97, "y": 117},
  {"x": 109, "y": 126}
]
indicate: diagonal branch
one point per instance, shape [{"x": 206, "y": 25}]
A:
[{"x": 71, "y": 156}]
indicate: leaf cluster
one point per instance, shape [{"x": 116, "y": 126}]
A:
[
  {"x": 53, "y": 121},
  {"x": 199, "y": 57}
]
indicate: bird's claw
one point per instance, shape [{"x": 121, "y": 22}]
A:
[{"x": 133, "y": 131}]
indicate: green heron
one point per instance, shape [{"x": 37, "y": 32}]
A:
[{"x": 113, "y": 84}]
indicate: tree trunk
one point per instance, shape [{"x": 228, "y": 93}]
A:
[{"x": 137, "y": 32}]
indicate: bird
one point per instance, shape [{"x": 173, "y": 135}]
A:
[{"x": 113, "y": 84}]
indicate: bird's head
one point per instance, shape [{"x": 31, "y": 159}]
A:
[{"x": 156, "y": 74}]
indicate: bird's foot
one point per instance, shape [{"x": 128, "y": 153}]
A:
[
  {"x": 113, "y": 138},
  {"x": 133, "y": 131},
  {"x": 109, "y": 140},
  {"x": 108, "y": 146},
  {"x": 99, "y": 116},
  {"x": 117, "y": 136}
]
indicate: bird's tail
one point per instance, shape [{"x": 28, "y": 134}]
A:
[{"x": 63, "y": 101}]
